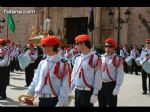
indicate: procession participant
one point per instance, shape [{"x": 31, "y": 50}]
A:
[
  {"x": 7, "y": 41},
  {"x": 86, "y": 74},
  {"x": 61, "y": 51},
  {"x": 112, "y": 75},
  {"x": 19, "y": 51},
  {"x": 134, "y": 53},
  {"x": 40, "y": 56},
  {"x": 124, "y": 53},
  {"x": 29, "y": 70},
  {"x": 4, "y": 69},
  {"x": 67, "y": 54},
  {"x": 13, "y": 53},
  {"x": 145, "y": 55},
  {"x": 75, "y": 54},
  {"x": 52, "y": 79}
]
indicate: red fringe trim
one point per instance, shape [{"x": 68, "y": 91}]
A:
[
  {"x": 61, "y": 76},
  {"x": 91, "y": 61}
]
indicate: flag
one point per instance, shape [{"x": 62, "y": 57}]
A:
[
  {"x": 91, "y": 21},
  {"x": 10, "y": 22}
]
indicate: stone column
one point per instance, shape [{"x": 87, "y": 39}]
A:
[
  {"x": 37, "y": 18},
  {"x": 97, "y": 24},
  {"x": 45, "y": 13},
  {"x": 115, "y": 10},
  {"x": 124, "y": 30},
  {"x": 41, "y": 17}
]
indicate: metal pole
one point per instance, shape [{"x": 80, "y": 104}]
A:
[
  {"x": 92, "y": 39},
  {"x": 7, "y": 30},
  {"x": 7, "y": 23},
  {"x": 48, "y": 13},
  {"x": 118, "y": 42},
  {"x": 46, "y": 25}
]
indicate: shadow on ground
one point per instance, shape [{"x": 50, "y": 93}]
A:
[
  {"x": 11, "y": 75},
  {"x": 18, "y": 78},
  {"x": 20, "y": 73},
  {"x": 17, "y": 87},
  {"x": 8, "y": 102}
]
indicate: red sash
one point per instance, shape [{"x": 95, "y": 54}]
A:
[
  {"x": 77, "y": 70},
  {"x": 47, "y": 78},
  {"x": 61, "y": 76},
  {"x": 56, "y": 71},
  {"x": 50, "y": 84},
  {"x": 105, "y": 67},
  {"x": 115, "y": 62},
  {"x": 81, "y": 73},
  {"x": 11, "y": 49},
  {"x": 4, "y": 51},
  {"x": 83, "y": 78},
  {"x": 91, "y": 61},
  {"x": 107, "y": 70}
]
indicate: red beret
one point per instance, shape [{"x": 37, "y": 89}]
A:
[
  {"x": 67, "y": 49},
  {"x": 147, "y": 40},
  {"x": 82, "y": 38},
  {"x": 50, "y": 41},
  {"x": 7, "y": 41},
  {"x": 31, "y": 43},
  {"x": 111, "y": 41},
  {"x": 2, "y": 41}
]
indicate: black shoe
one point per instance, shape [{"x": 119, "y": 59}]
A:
[
  {"x": 26, "y": 86},
  {"x": 136, "y": 73},
  {"x": 144, "y": 92},
  {"x": 7, "y": 84},
  {"x": 2, "y": 98}
]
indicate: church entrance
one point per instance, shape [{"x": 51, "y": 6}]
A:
[{"x": 74, "y": 27}]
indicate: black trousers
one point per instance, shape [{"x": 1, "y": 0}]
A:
[
  {"x": 4, "y": 72},
  {"x": 48, "y": 102},
  {"x": 8, "y": 75},
  {"x": 29, "y": 73},
  {"x": 134, "y": 67},
  {"x": 144, "y": 80},
  {"x": 82, "y": 98},
  {"x": 105, "y": 96},
  {"x": 125, "y": 66},
  {"x": 17, "y": 67},
  {"x": 12, "y": 65}
]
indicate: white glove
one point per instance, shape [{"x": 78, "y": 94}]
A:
[
  {"x": 59, "y": 104},
  {"x": 93, "y": 99},
  {"x": 72, "y": 87},
  {"x": 115, "y": 92}
]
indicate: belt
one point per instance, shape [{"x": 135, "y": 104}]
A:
[
  {"x": 83, "y": 88},
  {"x": 106, "y": 81},
  {"x": 46, "y": 96}
]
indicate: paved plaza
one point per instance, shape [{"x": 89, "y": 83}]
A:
[{"x": 130, "y": 93}]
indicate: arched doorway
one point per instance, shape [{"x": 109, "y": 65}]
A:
[{"x": 74, "y": 27}]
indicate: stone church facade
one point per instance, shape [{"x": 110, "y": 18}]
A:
[{"x": 73, "y": 19}]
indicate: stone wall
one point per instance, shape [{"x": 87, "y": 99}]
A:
[
  {"x": 137, "y": 32},
  {"x": 132, "y": 33},
  {"x": 24, "y": 24}
]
